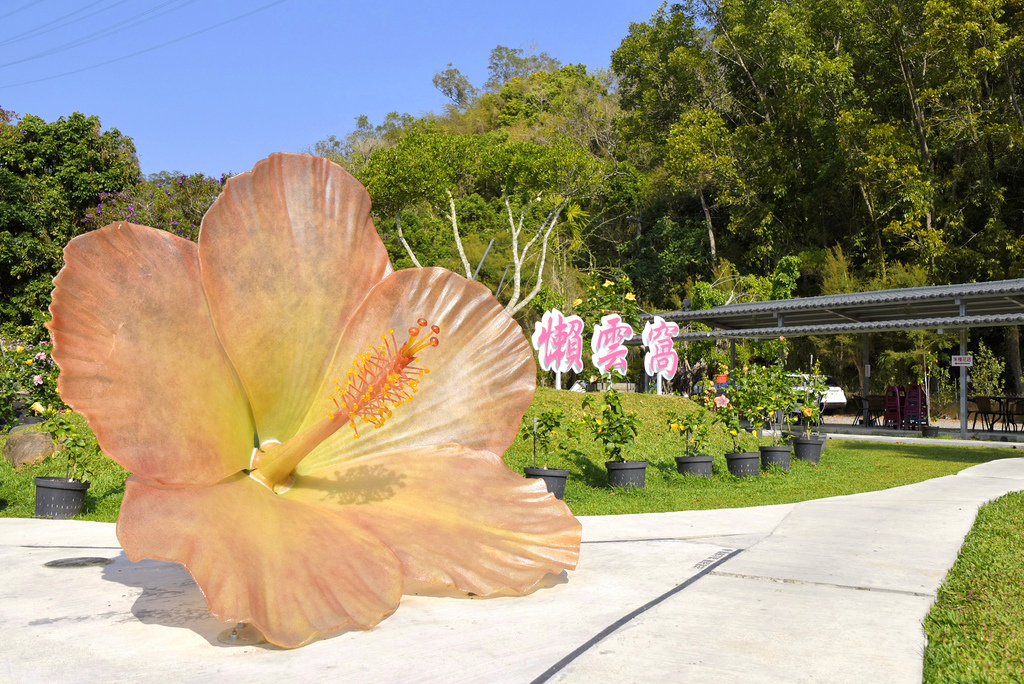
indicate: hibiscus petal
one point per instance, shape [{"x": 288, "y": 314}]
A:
[
  {"x": 482, "y": 375},
  {"x": 140, "y": 359},
  {"x": 453, "y": 516},
  {"x": 288, "y": 253},
  {"x": 291, "y": 569}
]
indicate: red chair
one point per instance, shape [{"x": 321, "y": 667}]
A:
[
  {"x": 915, "y": 412},
  {"x": 894, "y": 396}
]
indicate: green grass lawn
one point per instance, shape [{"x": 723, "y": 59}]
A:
[{"x": 976, "y": 627}]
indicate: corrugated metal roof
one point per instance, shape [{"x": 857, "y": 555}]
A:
[{"x": 985, "y": 304}]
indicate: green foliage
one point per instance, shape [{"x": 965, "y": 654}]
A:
[
  {"x": 695, "y": 429},
  {"x": 607, "y": 295},
  {"x": 27, "y": 375},
  {"x": 807, "y": 398},
  {"x": 615, "y": 428},
  {"x": 549, "y": 431},
  {"x": 171, "y": 201},
  {"x": 508, "y": 63},
  {"x": 986, "y": 377},
  {"x": 769, "y": 396},
  {"x": 50, "y": 175},
  {"x": 79, "y": 448}
]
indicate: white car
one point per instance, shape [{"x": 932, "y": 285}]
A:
[{"x": 832, "y": 399}]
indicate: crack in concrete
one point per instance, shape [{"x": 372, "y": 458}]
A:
[{"x": 783, "y": 580}]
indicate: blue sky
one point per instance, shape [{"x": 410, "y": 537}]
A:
[{"x": 278, "y": 79}]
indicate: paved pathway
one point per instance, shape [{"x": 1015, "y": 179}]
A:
[{"x": 829, "y": 590}]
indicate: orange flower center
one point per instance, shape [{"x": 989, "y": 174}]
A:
[{"x": 379, "y": 380}]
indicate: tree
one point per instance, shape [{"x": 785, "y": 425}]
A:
[
  {"x": 507, "y": 63},
  {"x": 50, "y": 175},
  {"x": 537, "y": 182},
  {"x": 454, "y": 85}
]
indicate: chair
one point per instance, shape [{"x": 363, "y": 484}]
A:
[
  {"x": 1015, "y": 414},
  {"x": 894, "y": 407},
  {"x": 915, "y": 412},
  {"x": 983, "y": 410}
]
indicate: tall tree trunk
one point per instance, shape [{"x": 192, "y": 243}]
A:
[
  {"x": 711, "y": 232},
  {"x": 1013, "y": 358}
]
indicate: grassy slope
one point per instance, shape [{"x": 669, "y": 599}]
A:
[
  {"x": 846, "y": 467},
  {"x": 976, "y": 627}
]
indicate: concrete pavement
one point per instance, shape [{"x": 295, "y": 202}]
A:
[{"x": 828, "y": 590}]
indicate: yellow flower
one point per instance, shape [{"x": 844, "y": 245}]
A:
[
  {"x": 608, "y": 283},
  {"x": 38, "y": 408},
  {"x": 28, "y": 362},
  {"x": 630, "y": 296},
  {"x": 675, "y": 426},
  {"x": 19, "y": 348},
  {"x": 577, "y": 302},
  {"x": 807, "y": 411}
]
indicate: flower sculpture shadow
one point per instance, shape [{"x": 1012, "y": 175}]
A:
[{"x": 310, "y": 432}]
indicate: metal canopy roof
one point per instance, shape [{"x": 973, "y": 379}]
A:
[{"x": 969, "y": 305}]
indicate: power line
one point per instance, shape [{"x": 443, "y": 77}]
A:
[
  {"x": 34, "y": 2},
  {"x": 149, "y": 49},
  {"x": 41, "y": 29},
  {"x": 124, "y": 24}
]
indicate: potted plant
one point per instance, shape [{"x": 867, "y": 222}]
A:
[
  {"x": 695, "y": 429},
  {"x": 808, "y": 447},
  {"x": 63, "y": 497},
  {"x": 771, "y": 398},
  {"x": 547, "y": 429},
  {"x": 615, "y": 429},
  {"x": 730, "y": 410}
]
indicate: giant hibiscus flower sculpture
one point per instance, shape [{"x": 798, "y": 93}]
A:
[{"x": 309, "y": 431}]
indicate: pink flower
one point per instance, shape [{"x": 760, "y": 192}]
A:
[
  {"x": 41, "y": 356},
  {"x": 37, "y": 379},
  {"x": 721, "y": 401},
  {"x": 286, "y": 326}
]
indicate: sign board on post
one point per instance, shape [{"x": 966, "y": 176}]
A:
[
  {"x": 967, "y": 361},
  {"x": 661, "y": 358},
  {"x": 558, "y": 340},
  {"x": 606, "y": 344}
]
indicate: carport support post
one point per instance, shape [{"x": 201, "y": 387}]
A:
[
  {"x": 865, "y": 347},
  {"x": 732, "y": 354},
  {"x": 963, "y": 381}
]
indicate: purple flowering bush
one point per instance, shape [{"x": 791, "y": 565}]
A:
[
  {"x": 172, "y": 202},
  {"x": 28, "y": 376}
]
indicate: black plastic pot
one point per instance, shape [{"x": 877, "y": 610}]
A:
[
  {"x": 930, "y": 431},
  {"x": 694, "y": 465},
  {"x": 775, "y": 455},
  {"x": 59, "y": 497},
  {"x": 808, "y": 449},
  {"x": 554, "y": 479},
  {"x": 628, "y": 474},
  {"x": 744, "y": 464}
]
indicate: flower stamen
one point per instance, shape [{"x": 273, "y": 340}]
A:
[
  {"x": 382, "y": 378},
  {"x": 379, "y": 380}
]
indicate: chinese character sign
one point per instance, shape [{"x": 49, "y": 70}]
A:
[
  {"x": 609, "y": 352},
  {"x": 661, "y": 358},
  {"x": 558, "y": 340}
]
